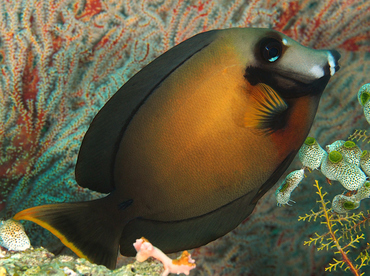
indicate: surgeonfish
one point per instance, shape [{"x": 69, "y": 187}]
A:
[{"x": 190, "y": 143}]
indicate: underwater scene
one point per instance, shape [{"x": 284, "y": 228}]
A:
[{"x": 189, "y": 137}]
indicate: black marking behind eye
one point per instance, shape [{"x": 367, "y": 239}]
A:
[
  {"x": 270, "y": 49},
  {"x": 286, "y": 86}
]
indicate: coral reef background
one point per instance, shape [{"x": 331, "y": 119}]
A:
[
  {"x": 41, "y": 262},
  {"x": 61, "y": 60}
]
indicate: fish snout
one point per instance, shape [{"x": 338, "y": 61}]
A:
[
  {"x": 332, "y": 66},
  {"x": 329, "y": 65}
]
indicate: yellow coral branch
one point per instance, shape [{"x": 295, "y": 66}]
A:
[
  {"x": 364, "y": 256},
  {"x": 354, "y": 223},
  {"x": 313, "y": 215},
  {"x": 333, "y": 238},
  {"x": 358, "y": 135}
]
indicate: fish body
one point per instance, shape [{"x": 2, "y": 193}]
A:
[{"x": 190, "y": 143}]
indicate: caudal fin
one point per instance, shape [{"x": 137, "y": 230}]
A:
[{"x": 88, "y": 228}]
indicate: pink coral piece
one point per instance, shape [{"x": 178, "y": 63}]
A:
[{"x": 182, "y": 265}]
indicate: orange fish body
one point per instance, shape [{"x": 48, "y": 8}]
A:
[{"x": 189, "y": 144}]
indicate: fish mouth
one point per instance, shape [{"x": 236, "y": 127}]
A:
[
  {"x": 316, "y": 87},
  {"x": 333, "y": 58},
  {"x": 298, "y": 85},
  {"x": 292, "y": 85},
  {"x": 293, "y": 88}
]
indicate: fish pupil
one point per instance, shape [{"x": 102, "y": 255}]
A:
[
  {"x": 270, "y": 49},
  {"x": 273, "y": 53}
]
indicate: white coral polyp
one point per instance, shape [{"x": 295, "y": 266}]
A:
[
  {"x": 363, "y": 192},
  {"x": 343, "y": 204},
  {"x": 328, "y": 168},
  {"x": 367, "y": 111},
  {"x": 365, "y": 162},
  {"x": 287, "y": 187},
  {"x": 12, "y": 236},
  {"x": 283, "y": 198},
  {"x": 351, "y": 154},
  {"x": 311, "y": 155},
  {"x": 335, "y": 145},
  {"x": 351, "y": 177}
]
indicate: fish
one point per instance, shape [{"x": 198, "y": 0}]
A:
[{"x": 190, "y": 143}]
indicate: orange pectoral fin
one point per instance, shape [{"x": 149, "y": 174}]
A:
[{"x": 266, "y": 109}]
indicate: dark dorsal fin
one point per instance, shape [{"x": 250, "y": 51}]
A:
[{"x": 95, "y": 164}]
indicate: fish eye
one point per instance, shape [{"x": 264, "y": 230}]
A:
[{"x": 270, "y": 49}]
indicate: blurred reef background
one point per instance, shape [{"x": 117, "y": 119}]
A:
[{"x": 61, "y": 60}]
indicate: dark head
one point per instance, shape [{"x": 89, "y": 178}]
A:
[{"x": 288, "y": 67}]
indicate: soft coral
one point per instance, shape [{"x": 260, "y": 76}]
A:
[{"x": 182, "y": 265}]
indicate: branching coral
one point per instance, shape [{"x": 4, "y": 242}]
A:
[
  {"x": 346, "y": 163},
  {"x": 146, "y": 250},
  {"x": 343, "y": 233},
  {"x": 360, "y": 135}
]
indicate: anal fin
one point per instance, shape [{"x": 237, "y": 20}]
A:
[{"x": 174, "y": 236}]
